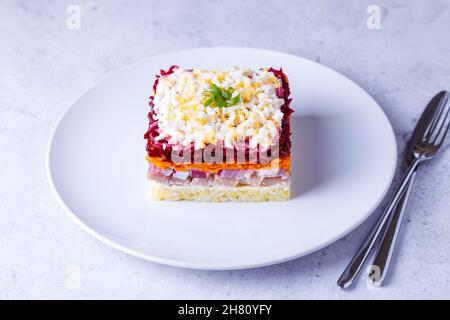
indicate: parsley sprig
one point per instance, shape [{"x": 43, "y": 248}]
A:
[{"x": 220, "y": 97}]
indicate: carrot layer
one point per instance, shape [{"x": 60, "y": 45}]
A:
[{"x": 281, "y": 163}]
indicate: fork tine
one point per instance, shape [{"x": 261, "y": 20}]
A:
[{"x": 436, "y": 117}]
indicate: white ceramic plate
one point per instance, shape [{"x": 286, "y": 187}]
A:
[{"x": 344, "y": 158}]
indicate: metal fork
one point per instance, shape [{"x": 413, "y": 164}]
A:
[
  {"x": 429, "y": 146},
  {"x": 385, "y": 251},
  {"x": 425, "y": 149}
]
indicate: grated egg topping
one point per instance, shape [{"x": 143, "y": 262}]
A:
[{"x": 184, "y": 119}]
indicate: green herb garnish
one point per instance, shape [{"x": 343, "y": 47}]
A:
[{"x": 220, "y": 97}]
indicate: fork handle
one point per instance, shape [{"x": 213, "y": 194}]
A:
[
  {"x": 383, "y": 256},
  {"x": 351, "y": 272}
]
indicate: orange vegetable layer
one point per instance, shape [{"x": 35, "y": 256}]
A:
[{"x": 281, "y": 163}]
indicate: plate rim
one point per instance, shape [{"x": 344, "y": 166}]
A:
[{"x": 202, "y": 266}]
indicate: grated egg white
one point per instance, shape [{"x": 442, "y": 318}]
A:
[{"x": 184, "y": 119}]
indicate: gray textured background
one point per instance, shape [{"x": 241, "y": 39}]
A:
[{"x": 44, "y": 66}]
